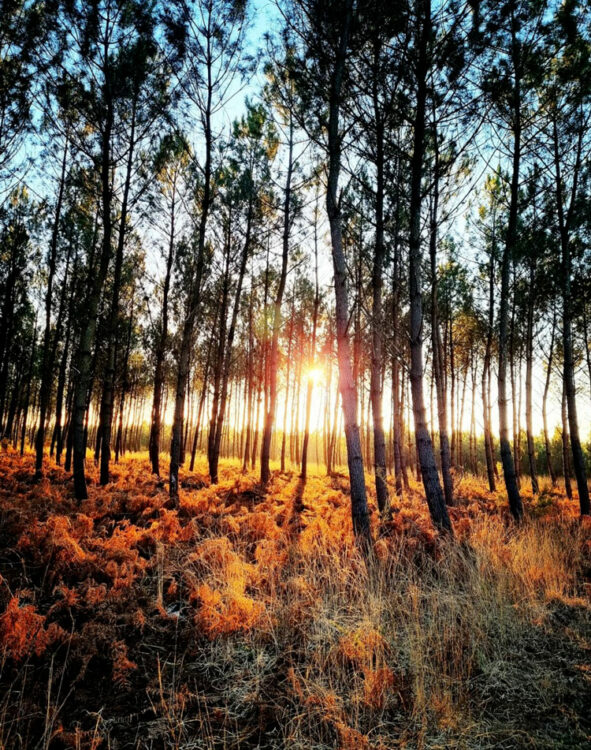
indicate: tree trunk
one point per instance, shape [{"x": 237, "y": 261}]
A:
[
  {"x": 219, "y": 359},
  {"x": 47, "y": 360},
  {"x": 250, "y": 375},
  {"x": 565, "y": 441},
  {"x": 112, "y": 325},
  {"x": 310, "y": 384},
  {"x": 347, "y": 385},
  {"x": 156, "y": 423},
  {"x": 97, "y": 280},
  {"x": 567, "y": 342},
  {"x": 551, "y": 471},
  {"x": 514, "y": 392},
  {"x": 452, "y": 389},
  {"x": 472, "y": 440},
  {"x": 69, "y": 294},
  {"x": 515, "y": 504},
  {"x": 201, "y": 403},
  {"x": 274, "y": 357},
  {"x": 377, "y": 319},
  {"x": 124, "y": 389},
  {"x": 586, "y": 342},
  {"x": 287, "y": 374},
  {"x": 28, "y": 389},
  {"x": 438, "y": 364},
  {"x": 529, "y": 356},
  {"x": 426, "y": 456},
  {"x": 397, "y": 421},
  {"x": 461, "y": 420},
  {"x": 219, "y": 424},
  {"x": 194, "y": 301}
]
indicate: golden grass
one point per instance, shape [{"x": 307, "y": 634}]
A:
[{"x": 250, "y": 618}]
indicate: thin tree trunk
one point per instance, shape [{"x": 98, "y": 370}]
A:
[
  {"x": 202, "y": 398},
  {"x": 425, "y": 454},
  {"x": 461, "y": 420},
  {"x": 565, "y": 441},
  {"x": 255, "y": 437},
  {"x": 347, "y": 385},
  {"x": 551, "y": 471},
  {"x": 194, "y": 299},
  {"x": 218, "y": 427},
  {"x": 567, "y": 342},
  {"x": 156, "y": 423},
  {"x": 289, "y": 347},
  {"x": 219, "y": 359},
  {"x": 586, "y": 342},
  {"x": 438, "y": 364},
  {"x": 296, "y": 409},
  {"x": 529, "y": 354},
  {"x": 57, "y": 438},
  {"x": 28, "y": 388},
  {"x": 124, "y": 389},
  {"x": 109, "y": 384},
  {"x": 472, "y": 449},
  {"x": 514, "y": 393},
  {"x": 47, "y": 360},
  {"x": 377, "y": 318},
  {"x": 310, "y": 384},
  {"x": 397, "y": 425},
  {"x": 514, "y": 497},
  {"x": 452, "y": 373},
  {"x": 274, "y": 358},
  {"x": 97, "y": 281},
  {"x": 250, "y": 369}
]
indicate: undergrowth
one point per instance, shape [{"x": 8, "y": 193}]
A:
[{"x": 249, "y": 619}]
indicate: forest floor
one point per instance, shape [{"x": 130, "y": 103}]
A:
[{"x": 250, "y": 619}]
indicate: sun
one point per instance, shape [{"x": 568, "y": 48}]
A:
[{"x": 315, "y": 374}]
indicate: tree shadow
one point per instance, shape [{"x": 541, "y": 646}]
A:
[{"x": 295, "y": 522}]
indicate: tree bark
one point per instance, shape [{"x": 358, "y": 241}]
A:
[
  {"x": 274, "y": 357},
  {"x": 425, "y": 453},
  {"x": 113, "y": 321},
  {"x": 438, "y": 364},
  {"x": 347, "y": 385},
  {"x": 28, "y": 389},
  {"x": 194, "y": 300},
  {"x": 124, "y": 389},
  {"x": 47, "y": 360},
  {"x": 565, "y": 441},
  {"x": 567, "y": 341},
  {"x": 310, "y": 384},
  {"x": 201, "y": 403},
  {"x": 61, "y": 379},
  {"x": 97, "y": 280},
  {"x": 219, "y": 423},
  {"x": 162, "y": 342},
  {"x": 377, "y": 318},
  {"x": 514, "y": 497},
  {"x": 529, "y": 355},
  {"x": 551, "y": 471},
  {"x": 219, "y": 358}
]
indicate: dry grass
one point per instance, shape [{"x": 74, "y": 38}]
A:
[{"x": 251, "y": 620}]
